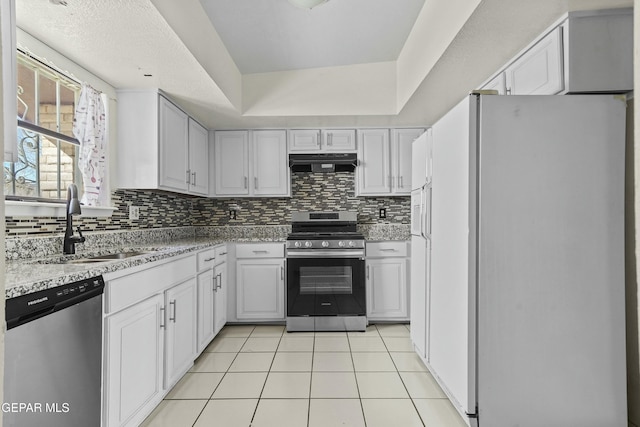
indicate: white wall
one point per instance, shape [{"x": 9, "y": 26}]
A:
[
  {"x": 436, "y": 26},
  {"x": 330, "y": 91}
]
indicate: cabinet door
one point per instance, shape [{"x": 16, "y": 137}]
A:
[
  {"x": 387, "y": 288},
  {"x": 220, "y": 298},
  {"x": 374, "y": 168},
  {"x": 497, "y": 83},
  {"x": 181, "y": 330},
  {"x": 133, "y": 362},
  {"x": 206, "y": 288},
  {"x": 401, "y": 143},
  {"x": 198, "y": 158},
  {"x": 260, "y": 289},
  {"x": 174, "y": 153},
  {"x": 341, "y": 140},
  {"x": 231, "y": 163},
  {"x": 270, "y": 169},
  {"x": 539, "y": 70},
  {"x": 304, "y": 140}
]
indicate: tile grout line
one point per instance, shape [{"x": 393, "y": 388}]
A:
[
  {"x": 403, "y": 383},
  {"x": 255, "y": 411},
  {"x": 224, "y": 375}
]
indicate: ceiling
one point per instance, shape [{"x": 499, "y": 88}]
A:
[
  {"x": 234, "y": 64},
  {"x": 264, "y": 36}
]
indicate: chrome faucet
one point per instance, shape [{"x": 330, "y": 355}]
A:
[{"x": 73, "y": 208}]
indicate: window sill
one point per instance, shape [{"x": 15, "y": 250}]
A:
[{"x": 14, "y": 208}]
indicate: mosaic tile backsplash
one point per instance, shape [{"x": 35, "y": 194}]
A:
[{"x": 310, "y": 191}]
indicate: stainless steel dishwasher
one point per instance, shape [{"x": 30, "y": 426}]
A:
[{"x": 53, "y": 357}]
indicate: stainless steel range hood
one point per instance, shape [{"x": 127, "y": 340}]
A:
[{"x": 329, "y": 162}]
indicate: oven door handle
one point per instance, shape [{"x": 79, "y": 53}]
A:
[{"x": 324, "y": 254}]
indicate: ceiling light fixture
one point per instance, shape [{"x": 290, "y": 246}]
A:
[{"x": 307, "y": 4}]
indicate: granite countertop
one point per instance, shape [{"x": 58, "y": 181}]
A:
[
  {"x": 34, "y": 264},
  {"x": 31, "y": 275}
]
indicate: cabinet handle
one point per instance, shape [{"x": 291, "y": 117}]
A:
[
  {"x": 400, "y": 181},
  {"x": 367, "y": 271},
  {"x": 508, "y": 91},
  {"x": 214, "y": 284},
  {"x": 318, "y": 140},
  {"x": 193, "y": 174},
  {"x": 223, "y": 253},
  {"x": 173, "y": 303},
  {"x": 209, "y": 259},
  {"x": 161, "y": 317},
  {"x": 260, "y": 252},
  {"x": 255, "y": 182},
  {"x": 330, "y": 139},
  {"x": 282, "y": 272},
  {"x": 219, "y": 285},
  {"x": 245, "y": 182},
  {"x": 188, "y": 176},
  {"x": 388, "y": 250}
]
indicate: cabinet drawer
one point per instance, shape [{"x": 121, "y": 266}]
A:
[
  {"x": 221, "y": 254},
  {"x": 387, "y": 249},
  {"x": 126, "y": 290},
  {"x": 206, "y": 259},
  {"x": 260, "y": 250}
]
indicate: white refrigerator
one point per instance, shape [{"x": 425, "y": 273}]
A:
[
  {"x": 420, "y": 241},
  {"x": 526, "y": 322}
]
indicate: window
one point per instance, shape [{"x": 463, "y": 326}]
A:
[{"x": 46, "y": 148}]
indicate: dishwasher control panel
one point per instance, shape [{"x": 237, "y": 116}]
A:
[{"x": 25, "y": 308}]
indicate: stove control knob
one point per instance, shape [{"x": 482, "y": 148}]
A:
[
  {"x": 297, "y": 244},
  {"x": 351, "y": 243},
  {"x": 307, "y": 244},
  {"x": 325, "y": 244},
  {"x": 341, "y": 244}
]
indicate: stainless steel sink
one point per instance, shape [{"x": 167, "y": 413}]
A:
[
  {"x": 97, "y": 258},
  {"x": 107, "y": 257}
]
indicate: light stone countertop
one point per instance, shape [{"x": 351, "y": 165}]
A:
[
  {"x": 32, "y": 263},
  {"x": 31, "y": 275}
]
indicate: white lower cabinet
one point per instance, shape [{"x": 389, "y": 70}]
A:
[
  {"x": 180, "y": 345},
  {"x": 206, "y": 309},
  {"x": 220, "y": 296},
  {"x": 134, "y": 362},
  {"x": 387, "y": 287},
  {"x": 260, "y": 289},
  {"x": 149, "y": 336}
]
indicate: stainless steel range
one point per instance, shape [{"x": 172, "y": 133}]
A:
[{"x": 325, "y": 273}]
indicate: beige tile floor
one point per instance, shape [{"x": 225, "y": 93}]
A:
[{"x": 262, "y": 376}]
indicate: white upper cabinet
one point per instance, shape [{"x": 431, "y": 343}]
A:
[
  {"x": 159, "y": 145},
  {"x": 498, "y": 83},
  {"x": 304, "y": 141},
  {"x": 322, "y": 141},
  {"x": 174, "y": 146},
  {"x": 198, "y": 158},
  {"x": 340, "y": 140},
  {"x": 271, "y": 176},
  {"x": 539, "y": 70},
  {"x": 374, "y": 162},
  {"x": 384, "y": 161},
  {"x": 401, "y": 142},
  {"x": 231, "y": 163},
  {"x": 584, "y": 52},
  {"x": 251, "y": 163}
]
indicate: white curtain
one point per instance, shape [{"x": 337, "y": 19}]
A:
[{"x": 89, "y": 127}]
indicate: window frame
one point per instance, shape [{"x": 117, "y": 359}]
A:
[{"x": 60, "y": 78}]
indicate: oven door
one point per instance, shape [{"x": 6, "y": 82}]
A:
[{"x": 326, "y": 287}]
